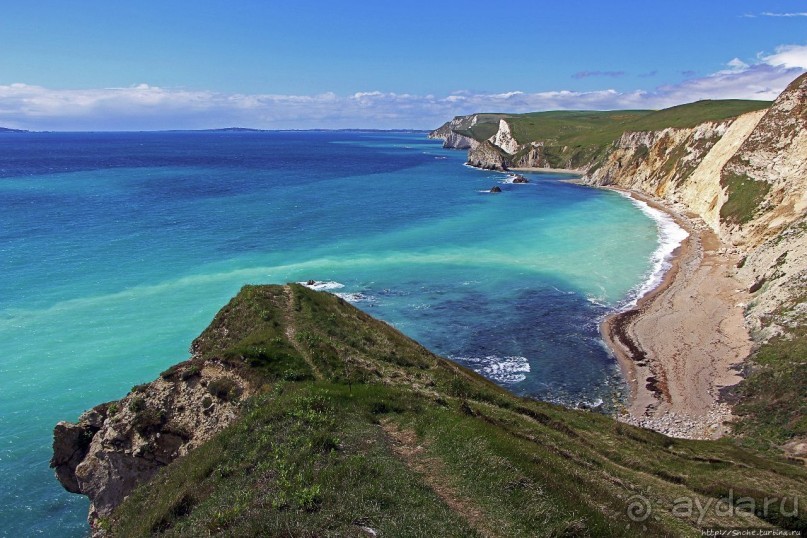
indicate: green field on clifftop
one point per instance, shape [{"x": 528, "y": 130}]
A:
[{"x": 358, "y": 427}]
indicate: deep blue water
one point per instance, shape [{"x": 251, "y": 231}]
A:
[{"x": 116, "y": 249}]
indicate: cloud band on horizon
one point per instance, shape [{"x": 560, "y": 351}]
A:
[{"x": 144, "y": 107}]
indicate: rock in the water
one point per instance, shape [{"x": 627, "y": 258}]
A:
[
  {"x": 496, "y": 189},
  {"x": 520, "y": 179}
]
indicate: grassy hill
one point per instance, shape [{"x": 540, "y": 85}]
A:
[
  {"x": 357, "y": 429},
  {"x": 692, "y": 114}
]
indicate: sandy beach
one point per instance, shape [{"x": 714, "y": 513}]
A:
[{"x": 685, "y": 340}]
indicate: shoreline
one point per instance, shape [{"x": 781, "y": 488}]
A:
[
  {"x": 684, "y": 340},
  {"x": 548, "y": 170}
]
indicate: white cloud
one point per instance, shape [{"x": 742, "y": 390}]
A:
[
  {"x": 737, "y": 64},
  {"x": 788, "y": 56},
  {"x": 770, "y": 14},
  {"x": 143, "y": 107},
  {"x": 773, "y": 14}
]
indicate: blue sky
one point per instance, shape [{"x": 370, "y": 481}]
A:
[{"x": 304, "y": 64}]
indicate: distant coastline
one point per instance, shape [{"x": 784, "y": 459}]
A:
[{"x": 233, "y": 130}]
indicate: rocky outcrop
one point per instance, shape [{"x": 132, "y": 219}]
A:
[
  {"x": 488, "y": 156},
  {"x": 504, "y": 139},
  {"x": 117, "y": 446},
  {"x": 531, "y": 156},
  {"x": 457, "y": 141},
  {"x": 507, "y": 153},
  {"x": 449, "y": 135}
]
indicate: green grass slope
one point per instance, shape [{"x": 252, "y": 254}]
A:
[
  {"x": 573, "y": 127},
  {"x": 692, "y": 114},
  {"x": 357, "y": 427}
]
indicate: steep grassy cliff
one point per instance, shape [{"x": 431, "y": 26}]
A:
[{"x": 345, "y": 427}]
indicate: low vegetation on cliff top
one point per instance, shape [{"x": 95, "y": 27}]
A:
[{"x": 359, "y": 430}]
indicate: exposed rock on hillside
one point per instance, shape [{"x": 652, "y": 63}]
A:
[
  {"x": 774, "y": 156},
  {"x": 449, "y": 135},
  {"x": 118, "y": 445},
  {"x": 659, "y": 162},
  {"x": 487, "y": 156},
  {"x": 531, "y": 156},
  {"x": 504, "y": 139}
]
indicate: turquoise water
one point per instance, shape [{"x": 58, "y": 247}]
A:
[{"x": 117, "y": 249}]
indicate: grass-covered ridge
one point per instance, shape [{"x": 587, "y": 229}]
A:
[
  {"x": 358, "y": 427},
  {"x": 692, "y": 114}
]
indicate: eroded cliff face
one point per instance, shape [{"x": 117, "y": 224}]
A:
[
  {"x": 452, "y": 139},
  {"x": 488, "y": 156},
  {"x": 776, "y": 272},
  {"x": 531, "y": 156},
  {"x": 773, "y": 158},
  {"x": 504, "y": 139},
  {"x": 116, "y": 446}
]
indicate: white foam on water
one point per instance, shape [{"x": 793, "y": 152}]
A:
[
  {"x": 355, "y": 297},
  {"x": 670, "y": 237},
  {"x": 511, "y": 369},
  {"x": 596, "y": 301},
  {"x": 323, "y": 286},
  {"x": 509, "y": 180}
]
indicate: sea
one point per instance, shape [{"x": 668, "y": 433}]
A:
[{"x": 117, "y": 249}]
